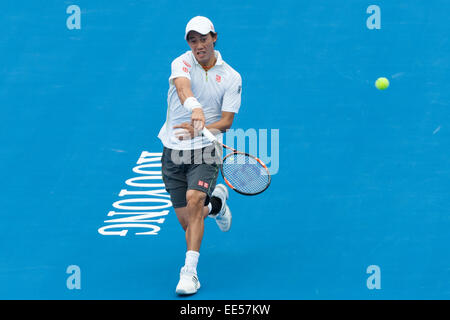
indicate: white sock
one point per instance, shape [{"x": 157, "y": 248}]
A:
[{"x": 191, "y": 261}]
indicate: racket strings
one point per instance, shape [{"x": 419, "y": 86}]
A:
[{"x": 245, "y": 173}]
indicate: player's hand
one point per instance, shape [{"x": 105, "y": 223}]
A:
[
  {"x": 186, "y": 131},
  {"x": 198, "y": 119}
]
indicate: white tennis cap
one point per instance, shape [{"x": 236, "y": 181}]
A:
[{"x": 200, "y": 24}]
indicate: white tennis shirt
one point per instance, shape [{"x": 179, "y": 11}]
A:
[{"x": 218, "y": 89}]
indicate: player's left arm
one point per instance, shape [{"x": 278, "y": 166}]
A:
[{"x": 224, "y": 123}]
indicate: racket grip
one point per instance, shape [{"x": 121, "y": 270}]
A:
[{"x": 209, "y": 135}]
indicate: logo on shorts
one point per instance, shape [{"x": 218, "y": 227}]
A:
[
  {"x": 203, "y": 184},
  {"x": 187, "y": 64},
  {"x": 218, "y": 78}
]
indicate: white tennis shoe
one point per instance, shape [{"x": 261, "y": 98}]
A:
[
  {"x": 188, "y": 284},
  {"x": 223, "y": 218}
]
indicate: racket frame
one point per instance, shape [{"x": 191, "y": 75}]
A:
[{"x": 217, "y": 143}]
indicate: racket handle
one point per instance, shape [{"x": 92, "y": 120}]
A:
[{"x": 209, "y": 135}]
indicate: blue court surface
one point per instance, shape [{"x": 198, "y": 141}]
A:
[{"x": 359, "y": 205}]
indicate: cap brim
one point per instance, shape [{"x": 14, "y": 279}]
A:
[{"x": 199, "y": 30}]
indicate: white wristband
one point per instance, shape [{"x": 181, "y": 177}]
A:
[{"x": 191, "y": 103}]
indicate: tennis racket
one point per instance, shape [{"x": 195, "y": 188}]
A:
[{"x": 242, "y": 172}]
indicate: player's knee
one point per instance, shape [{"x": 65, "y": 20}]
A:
[{"x": 195, "y": 200}]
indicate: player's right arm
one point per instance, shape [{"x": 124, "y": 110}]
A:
[{"x": 183, "y": 86}]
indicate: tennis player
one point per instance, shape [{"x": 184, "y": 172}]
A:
[{"x": 203, "y": 91}]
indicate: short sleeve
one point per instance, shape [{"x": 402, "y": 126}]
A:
[
  {"x": 232, "y": 97},
  {"x": 180, "y": 68}
]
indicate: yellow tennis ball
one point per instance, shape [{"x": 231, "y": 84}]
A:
[{"x": 382, "y": 83}]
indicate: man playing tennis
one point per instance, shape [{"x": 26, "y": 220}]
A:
[{"x": 203, "y": 91}]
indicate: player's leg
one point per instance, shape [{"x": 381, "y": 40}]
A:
[
  {"x": 193, "y": 217},
  {"x": 174, "y": 177},
  {"x": 201, "y": 180},
  {"x": 222, "y": 213},
  {"x": 179, "y": 198},
  {"x": 182, "y": 215},
  {"x": 217, "y": 209},
  {"x": 203, "y": 199},
  {"x": 196, "y": 216}
]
